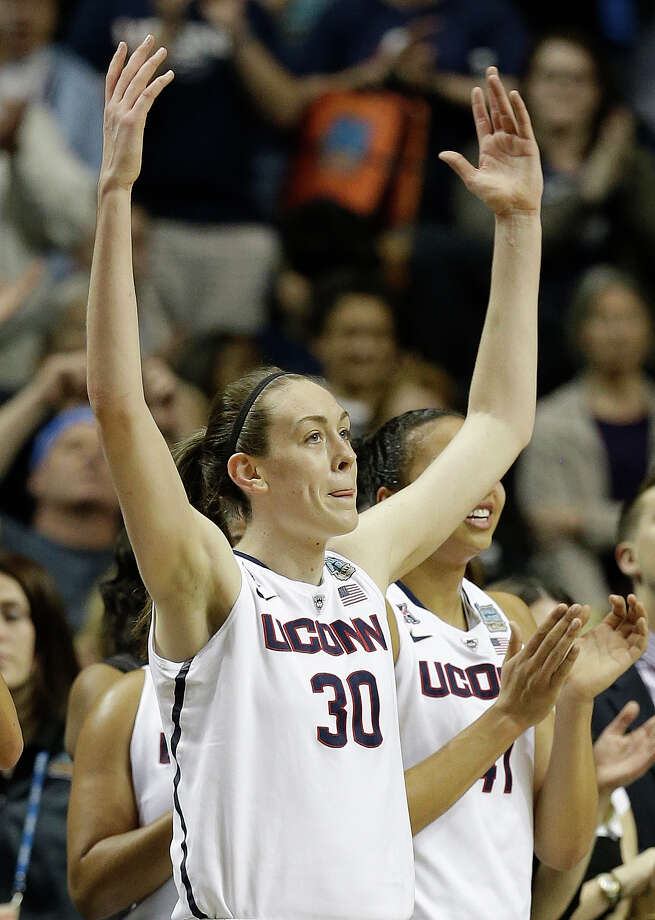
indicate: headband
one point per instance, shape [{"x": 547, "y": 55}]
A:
[
  {"x": 50, "y": 433},
  {"x": 247, "y": 406}
]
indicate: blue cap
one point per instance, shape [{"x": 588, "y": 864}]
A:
[{"x": 50, "y": 433}]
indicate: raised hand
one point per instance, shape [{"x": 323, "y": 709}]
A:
[
  {"x": 62, "y": 379},
  {"x": 533, "y": 676},
  {"x": 621, "y": 756},
  {"x": 130, "y": 91},
  {"x": 609, "y": 649},
  {"x": 508, "y": 176}
]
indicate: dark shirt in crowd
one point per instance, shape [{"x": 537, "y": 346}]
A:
[
  {"x": 607, "y": 705},
  {"x": 468, "y": 36},
  {"x": 627, "y": 455},
  {"x": 75, "y": 571},
  {"x": 203, "y": 134},
  {"x": 46, "y": 895}
]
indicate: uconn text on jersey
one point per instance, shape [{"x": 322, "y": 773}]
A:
[
  {"x": 307, "y": 636},
  {"x": 440, "y": 680}
]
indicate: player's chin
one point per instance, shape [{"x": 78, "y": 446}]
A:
[{"x": 344, "y": 521}]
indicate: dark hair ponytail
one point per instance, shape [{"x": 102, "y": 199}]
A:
[{"x": 384, "y": 456}]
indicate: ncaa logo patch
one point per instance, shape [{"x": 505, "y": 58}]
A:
[
  {"x": 339, "y": 568},
  {"x": 491, "y": 618},
  {"x": 407, "y": 616}
]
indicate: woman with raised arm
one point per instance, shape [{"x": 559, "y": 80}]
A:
[
  {"x": 278, "y": 702},
  {"x": 450, "y": 641}
]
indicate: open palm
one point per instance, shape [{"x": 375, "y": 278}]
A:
[
  {"x": 508, "y": 177},
  {"x": 609, "y": 649},
  {"x": 621, "y": 756},
  {"x": 129, "y": 94}
]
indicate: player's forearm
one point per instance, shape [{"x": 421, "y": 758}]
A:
[
  {"x": 11, "y": 739},
  {"x": 437, "y": 782},
  {"x": 278, "y": 93},
  {"x": 114, "y": 360},
  {"x": 567, "y": 805},
  {"x": 504, "y": 382},
  {"x": 122, "y": 869},
  {"x": 553, "y": 891},
  {"x": 19, "y": 417}
]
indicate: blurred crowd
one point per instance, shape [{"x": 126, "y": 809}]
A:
[{"x": 292, "y": 210}]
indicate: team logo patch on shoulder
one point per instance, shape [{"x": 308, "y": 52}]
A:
[
  {"x": 407, "y": 616},
  {"x": 491, "y": 618},
  {"x": 339, "y": 568},
  {"x": 351, "y": 594}
]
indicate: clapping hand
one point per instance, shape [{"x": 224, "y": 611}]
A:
[
  {"x": 609, "y": 649},
  {"x": 621, "y": 756},
  {"x": 508, "y": 176}
]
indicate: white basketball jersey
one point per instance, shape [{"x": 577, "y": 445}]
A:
[
  {"x": 475, "y": 861},
  {"x": 289, "y": 791},
  {"x": 152, "y": 781}
]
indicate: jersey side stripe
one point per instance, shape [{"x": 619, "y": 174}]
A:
[{"x": 180, "y": 686}]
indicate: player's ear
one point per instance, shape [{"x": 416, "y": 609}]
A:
[
  {"x": 243, "y": 472},
  {"x": 626, "y": 559},
  {"x": 383, "y": 493}
]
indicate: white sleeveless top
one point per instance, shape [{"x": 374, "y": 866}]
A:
[
  {"x": 475, "y": 861},
  {"x": 289, "y": 790},
  {"x": 152, "y": 780}
]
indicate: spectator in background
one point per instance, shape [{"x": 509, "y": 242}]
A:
[
  {"x": 635, "y": 555},
  {"x": 355, "y": 341},
  {"x": 599, "y": 183},
  {"x": 211, "y": 253},
  {"x": 50, "y": 148},
  {"x": 593, "y": 439},
  {"x": 34, "y": 69},
  {"x": 75, "y": 517},
  {"x": 38, "y": 663},
  {"x": 621, "y": 757}
]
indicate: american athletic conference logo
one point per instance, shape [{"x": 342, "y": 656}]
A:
[{"x": 339, "y": 568}]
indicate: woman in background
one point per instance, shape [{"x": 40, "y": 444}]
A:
[
  {"x": 37, "y": 662},
  {"x": 593, "y": 441}
]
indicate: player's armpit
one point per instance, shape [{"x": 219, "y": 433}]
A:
[{"x": 393, "y": 629}]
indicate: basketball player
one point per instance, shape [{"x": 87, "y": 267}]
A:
[
  {"x": 120, "y": 822},
  {"x": 277, "y": 698},
  {"x": 450, "y": 641},
  {"x": 11, "y": 738}
]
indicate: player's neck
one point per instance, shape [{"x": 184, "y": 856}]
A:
[
  {"x": 293, "y": 557},
  {"x": 437, "y": 587},
  {"x": 616, "y": 396},
  {"x": 84, "y": 527}
]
